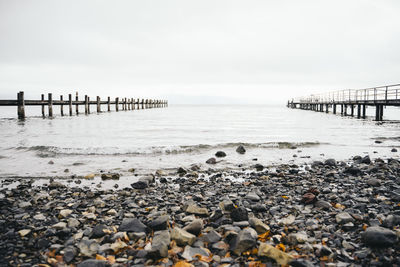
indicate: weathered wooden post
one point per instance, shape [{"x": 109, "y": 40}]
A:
[
  {"x": 43, "y": 106},
  {"x": 377, "y": 109},
  {"x": 352, "y": 110},
  {"x": 116, "y": 104},
  {"x": 126, "y": 104},
  {"x": 61, "y": 105},
  {"x": 86, "y": 104},
  {"x": 129, "y": 104},
  {"x": 364, "y": 107},
  {"x": 108, "y": 104},
  {"x": 76, "y": 103},
  {"x": 50, "y": 105},
  {"x": 133, "y": 103},
  {"x": 334, "y": 108},
  {"x": 88, "y": 107},
  {"x": 21, "y": 105},
  {"x": 70, "y": 104},
  {"x": 381, "y": 112},
  {"x": 142, "y": 103},
  {"x": 138, "y": 103},
  {"x": 98, "y": 104},
  {"x": 358, "y": 111}
]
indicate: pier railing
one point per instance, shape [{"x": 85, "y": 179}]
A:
[
  {"x": 70, "y": 103},
  {"x": 387, "y": 93}
]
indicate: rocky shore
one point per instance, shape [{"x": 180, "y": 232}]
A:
[{"x": 322, "y": 214}]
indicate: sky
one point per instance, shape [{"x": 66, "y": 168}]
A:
[{"x": 197, "y": 52}]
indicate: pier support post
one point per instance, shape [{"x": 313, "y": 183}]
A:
[
  {"x": 358, "y": 111},
  {"x": 50, "y": 105},
  {"x": 77, "y": 105},
  {"x": 345, "y": 110},
  {"x": 334, "y": 108},
  {"x": 43, "y": 106},
  {"x": 377, "y": 109},
  {"x": 86, "y": 104},
  {"x": 133, "y": 103},
  {"x": 98, "y": 104},
  {"x": 327, "y": 108},
  {"x": 70, "y": 104},
  {"x": 352, "y": 110},
  {"x": 108, "y": 104},
  {"x": 21, "y": 105},
  {"x": 380, "y": 112},
  {"x": 62, "y": 105},
  {"x": 364, "y": 107},
  {"x": 116, "y": 104},
  {"x": 142, "y": 103}
]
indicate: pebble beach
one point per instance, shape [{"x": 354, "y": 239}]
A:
[{"x": 324, "y": 213}]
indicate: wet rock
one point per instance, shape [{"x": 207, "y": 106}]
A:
[
  {"x": 211, "y": 161},
  {"x": 366, "y": 160},
  {"x": 391, "y": 221},
  {"x": 194, "y": 227},
  {"x": 245, "y": 240},
  {"x": 240, "y": 149},
  {"x": 161, "y": 223},
  {"x": 24, "y": 232},
  {"x": 259, "y": 167},
  {"x": 25, "y": 204},
  {"x": 110, "y": 176},
  {"x": 194, "y": 209},
  {"x": 182, "y": 237},
  {"x": 159, "y": 245},
  {"x": 373, "y": 182},
  {"x": 220, "y": 154},
  {"x": 140, "y": 184},
  {"x": 279, "y": 256},
  {"x": 301, "y": 263},
  {"x": 379, "y": 237},
  {"x": 258, "y": 225},
  {"x": 352, "y": 170},
  {"x": 330, "y": 162},
  {"x": 72, "y": 222},
  {"x": 239, "y": 214},
  {"x": 93, "y": 263},
  {"x": 132, "y": 225},
  {"x": 298, "y": 238},
  {"x": 343, "y": 217},
  {"x": 60, "y": 225},
  {"x": 394, "y": 150}
]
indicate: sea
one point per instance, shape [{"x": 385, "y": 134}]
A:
[{"x": 183, "y": 135}]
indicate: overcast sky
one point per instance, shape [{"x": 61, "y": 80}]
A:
[{"x": 197, "y": 51}]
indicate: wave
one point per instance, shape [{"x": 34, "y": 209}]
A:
[{"x": 53, "y": 151}]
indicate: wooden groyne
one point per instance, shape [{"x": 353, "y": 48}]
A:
[
  {"x": 351, "y": 101},
  {"x": 70, "y": 103}
]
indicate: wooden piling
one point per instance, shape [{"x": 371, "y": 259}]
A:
[
  {"x": 21, "y": 105},
  {"x": 352, "y": 110},
  {"x": 108, "y": 104},
  {"x": 77, "y": 106},
  {"x": 377, "y": 109},
  {"x": 142, "y": 103},
  {"x": 50, "y": 105},
  {"x": 61, "y": 105},
  {"x": 364, "y": 107},
  {"x": 358, "y": 111},
  {"x": 116, "y": 104},
  {"x": 70, "y": 104},
  {"x": 43, "y": 115},
  {"x": 133, "y": 103},
  {"x": 98, "y": 104},
  {"x": 334, "y": 108},
  {"x": 86, "y": 104}
]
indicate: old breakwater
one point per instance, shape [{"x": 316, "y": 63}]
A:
[
  {"x": 378, "y": 97},
  {"x": 119, "y": 103}
]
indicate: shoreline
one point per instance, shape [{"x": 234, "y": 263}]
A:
[{"x": 332, "y": 213}]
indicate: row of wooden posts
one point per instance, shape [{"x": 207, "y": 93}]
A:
[{"x": 123, "y": 103}]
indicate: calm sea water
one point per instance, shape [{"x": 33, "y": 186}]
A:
[{"x": 153, "y": 139}]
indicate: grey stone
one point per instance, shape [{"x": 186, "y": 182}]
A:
[
  {"x": 194, "y": 227},
  {"x": 240, "y": 149},
  {"x": 245, "y": 240},
  {"x": 161, "y": 223},
  {"x": 132, "y": 225},
  {"x": 343, "y": 218},
  {"x": 159, "y": 245},
  {"x": 379, "y": 237},
  {"x": 182, "y": 237},
  {"x": 239, "y": 214},
  {"x": 93, "y": 263}
]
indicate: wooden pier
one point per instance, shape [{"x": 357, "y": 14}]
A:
[
  {"x": 119, "y": 103},
  {"x": 352, "y": 102}
]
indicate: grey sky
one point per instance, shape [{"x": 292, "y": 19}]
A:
[{"x": 248, "y": 51}]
